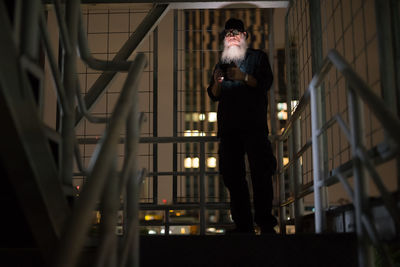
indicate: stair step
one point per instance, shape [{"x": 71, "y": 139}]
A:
[{"x": 246, "y": 250}]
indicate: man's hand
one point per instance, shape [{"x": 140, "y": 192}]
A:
[{"x": 218, "y": 76}]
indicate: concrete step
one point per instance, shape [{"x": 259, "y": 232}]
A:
[{"x": 246, "y": 250}]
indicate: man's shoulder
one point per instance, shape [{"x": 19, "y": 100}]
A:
[{"x": 256, "y": 52}]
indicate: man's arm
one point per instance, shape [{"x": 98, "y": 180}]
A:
[{"x": 214, "y": 89}]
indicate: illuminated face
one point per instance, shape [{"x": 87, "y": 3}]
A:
[
  {"x": 233, "y": 37},
  {"x": 235, "y": 46}
]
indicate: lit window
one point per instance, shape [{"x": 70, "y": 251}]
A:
[
  {"x": 195, "y": 133},
  {"x": 294, "y": 104},
  {"x": 285, "y": 161},
  {"x": 183, "y": 230},
  {"x": 195, "y": 116},
  {"x": 282, "y": 115},
  {"x": 195, "y": 162},
  {"x": 152, "y": 232},
  {"x": 188, "y": 117},
  {"x": 202, "y": 134},
  {"x": 202, "y": 116},
  {"x": 212, "y": 162},
  {"x": 148, "y": 217},
  {"x": 188, "y": 133},
  {"x": 212, "y": 116},
  {"x": 188, "y": 163},
  {"x": 282, "y": 106}
]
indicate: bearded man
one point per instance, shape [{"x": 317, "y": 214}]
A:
[{"x": 240, "y": 82}]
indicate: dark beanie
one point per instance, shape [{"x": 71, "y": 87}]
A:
[{"x": 236, "y": 24}]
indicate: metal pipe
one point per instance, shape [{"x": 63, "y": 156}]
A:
[
  {"x": 73, "y": 238},
  {"x": 61, "y": 97},
  {"x": 298, "y": 204},
  {"x": 107, "y": 249},
  {"x": 360, "y": 199},
  {"x": 67, "y": 130},
  {"x": 282, "y": 213},
  {"x": 133, "y": 225},
  {"x": 320, "y": 223},
  {"x": 202, "y": 189},
  {"x": 132, "y": 193}
]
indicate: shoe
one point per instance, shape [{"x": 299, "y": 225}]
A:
[{"x": 267, "y": 230}]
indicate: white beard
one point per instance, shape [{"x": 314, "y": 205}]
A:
[{"x": 234, "y": 53}]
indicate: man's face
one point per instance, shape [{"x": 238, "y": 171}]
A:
[{"x": 233, "y": 37}]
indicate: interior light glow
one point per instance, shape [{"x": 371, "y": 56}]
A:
[
  {"x": 148, "y": 217},
  {"x": 282, "y": 115},
  {"x": 188, "y": 117},
  {"x": 281, "y": 106},
  {"x": 202, "y": 116},
  {"x": 202, "y": 134},
  {"x": 285, "y": 160},
  {"x": 212, "y": 116},
  {"x": 195, "y": 162},
  {"x": 152, "y": 232},
  {"x": 195, "y": 133},
  {"x": 188, "y": 163},
  {"x": 211, "y": 162},
  {"x": 183, "y": 231},
  {"x": 195, "y": 116}
]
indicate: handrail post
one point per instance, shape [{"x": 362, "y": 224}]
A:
[
  {"x": 298, "y": 203},
  {"x": 360, "y": 200},
  {"x": 319, "y": 191},
  {"x": 69, "y": 79},
  {"x": 282, "y": 210},
  {"x": 202, "y": 160}
]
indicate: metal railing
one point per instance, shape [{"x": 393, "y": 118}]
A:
[
  {"x": 103, "y": 184},
  {"x": 357, "y": 90}
]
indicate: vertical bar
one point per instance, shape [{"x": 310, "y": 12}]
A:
[
  {"x": 29, "y": 34},
  {"x": 395, "y": 8},
  {"x": 155, "y": 114},
  {"x": 320, "y": 222},
  {"x": 299, "y": 203},
  {"x": 166, "y": 215},
  {"x": 133, "y": 134},
  {"x": 202, "y": 189},
  {"x": 68, "y": 119},
  {"x": 360, "y": 198},
  {"x": 317, "y": 59},
  {"x": 175, "y": 109},
  {"x": 289, "y": 97},
  {"x": 271, "y": 44},
  {"x": 107, "y": 250},
  {"x": 282, "y": 213},
  {"x": 386, "y": 54}
]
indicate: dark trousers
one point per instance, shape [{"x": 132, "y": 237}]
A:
[{"x": 262, "y": 163}]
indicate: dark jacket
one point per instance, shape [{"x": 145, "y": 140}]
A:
[{"x": 241, "y": 108}]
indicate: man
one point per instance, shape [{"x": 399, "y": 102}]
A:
[{"x": 240, "y": 82}]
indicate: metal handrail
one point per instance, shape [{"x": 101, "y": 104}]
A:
[
  {"x": 389, "y": 121},
  {"x": 74, "y": 236}
]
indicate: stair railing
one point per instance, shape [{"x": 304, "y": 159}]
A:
[
  {"x": 357, "y": 90},
  {"x": 101, "y": 173}
]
